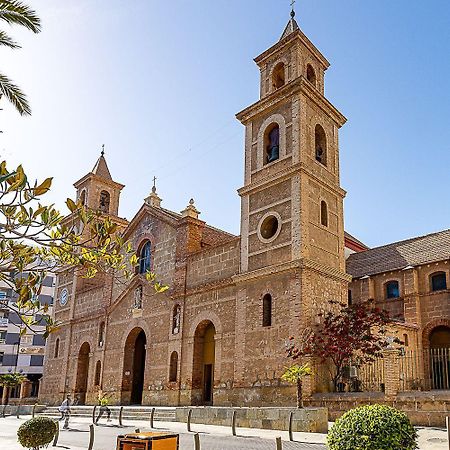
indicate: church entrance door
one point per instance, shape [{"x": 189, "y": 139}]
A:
[
  {"x": 134, "y": 367},
  {"x": 82, "y": 373},
  {"x": 203, "y": 364}
]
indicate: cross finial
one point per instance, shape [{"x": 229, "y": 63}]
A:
[
  {"x": 103, "y": 150},
  {"x": 154, "y": 184},
  {"x": 293, "y": 10}
]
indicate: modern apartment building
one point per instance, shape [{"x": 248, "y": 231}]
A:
[{"x": 24, "y": 354}]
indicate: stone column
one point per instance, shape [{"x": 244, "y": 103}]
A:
[{"x": 391, "y": 373}]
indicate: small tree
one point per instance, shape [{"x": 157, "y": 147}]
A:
[
  {"x": 36, "y": 238},
  {"x": 295, "y": 374},
  {"x": 37, "y": 433},
  {"x": 10, "y": 380},
  {"x": 353, "y": 334}
]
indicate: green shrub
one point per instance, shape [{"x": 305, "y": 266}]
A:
[
  {"x": 372, "y": 427},
  {"x": 36, "y": 433}
]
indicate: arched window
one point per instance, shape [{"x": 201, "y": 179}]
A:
[
  {"x": 173, "y": 370},
  {"x": 98, "y": 373},
  {"x": 101, "y": 334},
  {"x": 311, "y": 74},
  {"x": 83, "y": 197},
  {"x": 176, "y": 318},
  {"x": 267, "y": 311},
  {"x": 145, "y": 257},
  {"x": 320, "y": 145},
  {"x": 438, "y": 281},
  {"x": 56, "y": 354},
  {"x": 272, "y": 143},
  {"x": 278, "y": 76},
  {"x": 138, "y": 294},
  {"x": 392, "y": 289},
  {"x": 324, "y": 213},
  {"x": 104, "y": 201}
]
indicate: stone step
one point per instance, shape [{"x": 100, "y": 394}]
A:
[{"x": 131, "y": 413}]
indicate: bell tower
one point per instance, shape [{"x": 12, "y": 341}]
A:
[
  {"x": 291, "y": 201},
  {"x": 98, "y": 191}
]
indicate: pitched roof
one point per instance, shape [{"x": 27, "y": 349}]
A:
[
  {"x": 356, "y": 241},
  {"x": 411, "y": 252},
  {"x": 101, "y": 168},
  {"x": 291, "y": 26}
]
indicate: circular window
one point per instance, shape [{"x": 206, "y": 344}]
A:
[{"x": 269, "y": 227}]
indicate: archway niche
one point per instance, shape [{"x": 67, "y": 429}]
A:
[
  {"x": 81, "y": 383},
  {"x": 134, "y": 367},
  {"x": 440, "y": 358},
  {"x": 203, "y": 364}
]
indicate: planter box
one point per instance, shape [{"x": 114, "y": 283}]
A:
[{"x": 313, "y": 420}]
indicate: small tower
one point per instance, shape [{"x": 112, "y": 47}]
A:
[{"x": 98, "y": 191}]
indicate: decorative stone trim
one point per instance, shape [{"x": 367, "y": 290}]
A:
[{"x": 277, "y": 233}]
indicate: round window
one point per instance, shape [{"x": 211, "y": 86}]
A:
[{"x": 269, "y": 227}]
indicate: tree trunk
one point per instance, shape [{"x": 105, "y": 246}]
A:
[
  {"x": 299, "y": 394},
  {"x": 5, "y": 397}
]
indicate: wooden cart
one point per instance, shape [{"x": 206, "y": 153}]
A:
[{"x": 148, "y": 441}]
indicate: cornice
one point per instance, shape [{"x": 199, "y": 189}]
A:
[
  {"x": 285, "y": 174},
  {"x": 111, "y": 183},
  {"x": 298, "y": 264},
  {"x": 155, "y": 212},
  {"x": 297, "y": 35},
  {"x": 300, "y": 84}
]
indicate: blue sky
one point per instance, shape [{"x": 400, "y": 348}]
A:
[{"x": 159, "y": 84}]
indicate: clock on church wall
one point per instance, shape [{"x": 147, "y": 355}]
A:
[{"x": 63, "y": 297}]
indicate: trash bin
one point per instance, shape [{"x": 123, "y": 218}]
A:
[{"x": 148, "y": 441}]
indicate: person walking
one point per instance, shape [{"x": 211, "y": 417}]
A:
[
  {"x": 103, "y": 403},
  {"x": 64, "y": 409}
]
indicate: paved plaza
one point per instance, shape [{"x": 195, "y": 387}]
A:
[{"x": 211, "y": 437}]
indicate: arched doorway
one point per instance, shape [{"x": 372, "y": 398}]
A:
[
  {"x": 203, "y": 364},
  {"x": 134, "y": 367},
  {"x": 440, "y": 357},
  {"x": 82, "y": 373}
]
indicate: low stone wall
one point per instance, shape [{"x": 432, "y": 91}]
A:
[
  {"x": 314, "y": 420},
  {"x": 426, "y": 408}
]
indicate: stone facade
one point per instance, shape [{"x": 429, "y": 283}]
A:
[{"x": 218, "y": 335}]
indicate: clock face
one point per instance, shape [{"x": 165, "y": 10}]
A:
[{"x": 63, "y": 297}]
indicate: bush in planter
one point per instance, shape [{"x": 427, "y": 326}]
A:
[
  {"x": 36, "y": 433},
  {"x": 372, "y": 427}
]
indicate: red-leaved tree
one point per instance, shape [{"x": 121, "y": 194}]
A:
[{"x": 346, "y": 335}]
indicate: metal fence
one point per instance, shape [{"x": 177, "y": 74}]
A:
[{"x": 425, "y": 370}]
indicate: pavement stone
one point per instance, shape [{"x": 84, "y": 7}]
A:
[{"x": 211, "y": 437}]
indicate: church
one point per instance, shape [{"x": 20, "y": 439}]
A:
[{"x": 217, "y": 336}]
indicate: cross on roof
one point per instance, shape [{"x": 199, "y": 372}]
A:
[
  {"x": 103, "y": 149},
  {"x": 154, "y": 182},
  {"x": 292, "y": 6}
]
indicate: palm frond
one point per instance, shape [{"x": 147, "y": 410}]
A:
[
  {"x": 17, "y": 13},
  {"x": 7, "y": 41},
  {"x": 14, "y": 95}
]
